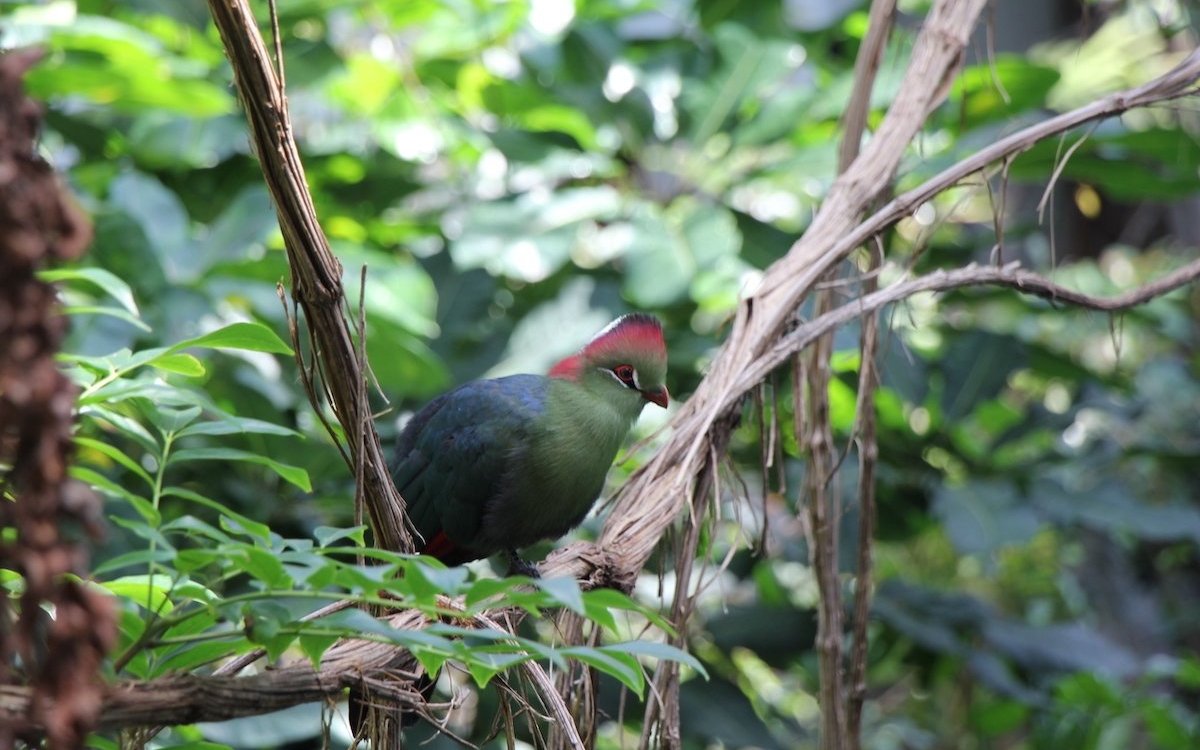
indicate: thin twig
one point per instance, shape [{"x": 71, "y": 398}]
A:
[
  {"x": 868, "y": 453},
  {"x": 545, "y": 687}
]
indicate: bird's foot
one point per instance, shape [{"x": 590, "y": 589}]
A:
[{"x": 520, "y": 567}]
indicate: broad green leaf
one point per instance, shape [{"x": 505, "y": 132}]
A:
[
  {"x": 564, "y": 591},
  {"x": 265, "y": 620},
  {"x": 116, "y": 66},
  {"x": 102, "y": 483},
  {"x": 264, "y": 566},
  {"x": 658, "y": 651},
  {"x": 152, "y": 592},
  {"x": 254, "y": 337},
  {"x": 612, "y": 599},
  {"x": 186, "y": 657},
  {"x": 110, "y": 283},
  {"x": 327, "y": 535},
  {"x": 227, "y": 424},
  {"x": 169, "y": 420},
  {"x": 483, "y": 666},
  {"x": 99, "y": 742},
  {"x": 143, "y": 530},
  {"x": 430, "y": 660},
  {"x": 112, "y": 312},
  {"x": 982, "y": 517},
  {"x": 194, "y": 529},
  {"x": 624, "y": 667},
  {"x": 293, "y": 474},
  {"x": 426, "y": 580},
  {"x": 247, "y": 525},
  {"x": 125, "y": 425},
  {"x": 485, "y": 588},
  {"x": 181, "y": 363},
  {"x": 115, "y": 454},
  {"x": 137, "y": 558},
  {"x": 314, "y": 646}
]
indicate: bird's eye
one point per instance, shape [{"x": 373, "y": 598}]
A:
[{"x": 624, "y": 373}]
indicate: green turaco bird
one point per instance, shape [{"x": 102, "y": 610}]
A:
[{"x": 496, "y": 465}]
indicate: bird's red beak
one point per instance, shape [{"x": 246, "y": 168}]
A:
[{"x": 658, "y": 396}]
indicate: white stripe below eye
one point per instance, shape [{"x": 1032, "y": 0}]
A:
[
  {"x": 609, "y": 372},
  {"x": 635, "y": 386}
]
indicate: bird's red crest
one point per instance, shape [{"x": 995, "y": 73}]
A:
[
  {"x": 568, "y": 368},
  {"x": 636, "y": 331}
]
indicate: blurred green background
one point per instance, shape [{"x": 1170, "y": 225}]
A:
[{"x": 515, "y": 174}]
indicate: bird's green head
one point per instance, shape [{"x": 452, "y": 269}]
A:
[{"x": 626, "y": 361}]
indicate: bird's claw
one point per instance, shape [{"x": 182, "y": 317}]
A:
[{"x": 520, "y": 567}]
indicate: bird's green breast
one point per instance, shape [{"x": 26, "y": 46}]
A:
[{"x": 570, "y": 452}]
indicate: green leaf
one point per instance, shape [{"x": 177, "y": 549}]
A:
[
  {"x": 110, "y": 283},
  {"x": 613, "y": 599},
  {"x": 181, "y": 363},
  {"x": 169, "y": 420},
  {"x": 314, "y": 646},
  {"x": 120, "y": 68},
  {"x": 622, "y": 666},
  {"x": 102, "y": 483},
  {"x": 430, "y": 660},
  {"x": 246, "y": 525},
  {"x": 265, "y": 621},
  {"x": 187, "y": 657},
  {"x": 143, "y": 531},
  {"x": 253, "y": 337},
  {"x": 293, "y": 474},
  {"x": 564, "y": 591},
  {"x": 264, "y": 566},
  {"x": 125, "y": 425},
  {"x": 137, "y": 558},
  {"x": 484, "y": 666},
  {"x": 484, "y": 589},
  {"x": 227, "y": 424},
  {"x": 982, "y": 517},
  {"x": 327, "y": 535},
  {"x": 111, "y": 312},
  {"x": 153, "y": 591},
  {"x": 116, "y": 455},
  {"x": 427, "y": 579},
  {"x": 1187, "y": 675},
  {"x": 658, "y": 651}
]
